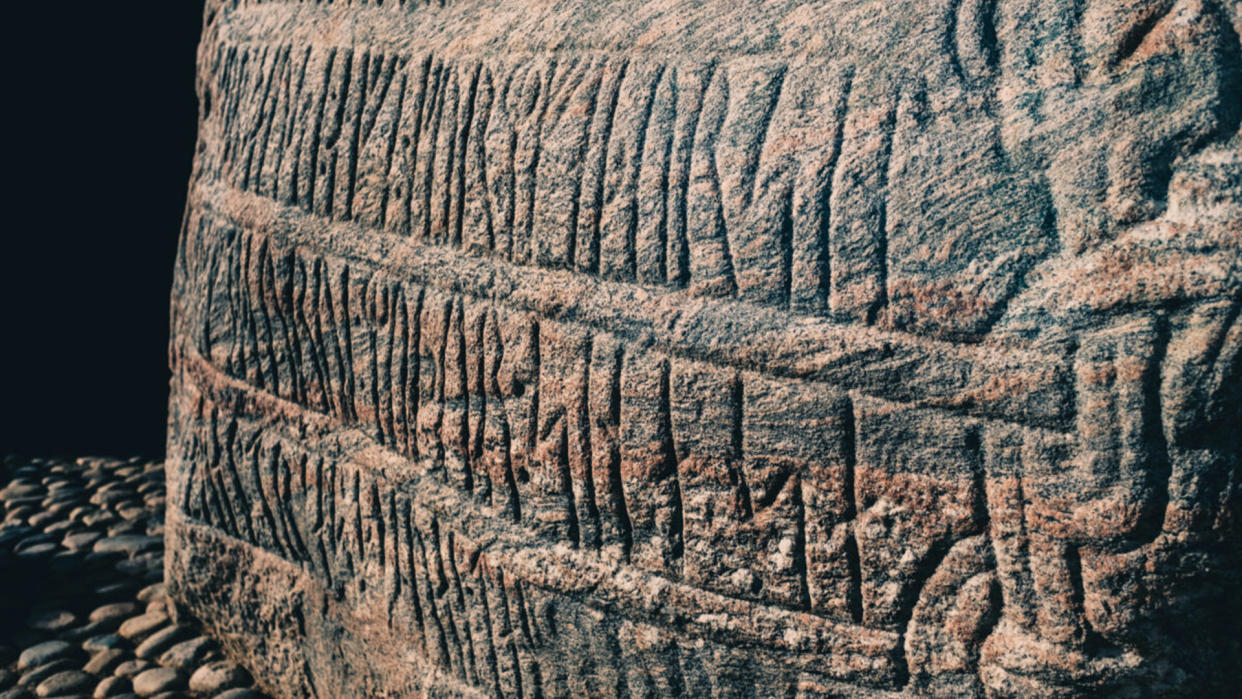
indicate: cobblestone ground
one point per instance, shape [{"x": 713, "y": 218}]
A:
[{"x": 83, "y": 608}]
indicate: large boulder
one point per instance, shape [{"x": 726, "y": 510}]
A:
[{"x": 847, "y": 348}]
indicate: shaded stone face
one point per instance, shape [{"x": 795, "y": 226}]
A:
[
  {"x": 630, "y": 348},
  {"x": 1107, "y": 99}
]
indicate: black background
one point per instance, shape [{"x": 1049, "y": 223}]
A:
[{"x": 101, "y": 116}]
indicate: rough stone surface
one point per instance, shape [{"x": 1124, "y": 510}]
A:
[{"x": 733, "y": 348}]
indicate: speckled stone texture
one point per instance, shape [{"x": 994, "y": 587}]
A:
[{"x": 732, "y": 348}]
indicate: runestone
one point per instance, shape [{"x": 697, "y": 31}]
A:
[{"x": 544, "y": 348}]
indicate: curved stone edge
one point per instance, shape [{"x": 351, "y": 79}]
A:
[{"x": 295, "y": 637}]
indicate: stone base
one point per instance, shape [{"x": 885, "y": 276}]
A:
[{"x": 300, "y": 641}]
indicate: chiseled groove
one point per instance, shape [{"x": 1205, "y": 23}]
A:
[
  {"x": 965, "y": 379},
  {"x": 271, "y": 482},
  {"x": 359, "y": 540},
  {"x": 672, "y": 467},
  {"x": 424, "y": 617},
  {"x": 393, "y": 578},
  {"x": 429, "y": 593},
  {"x": 489, "y": 638},
  {"x": 250, "y": 453},
  {"x": 583, "y": 427},
  {"x": 247, "y": 242},
  {"x": 598, "y": 170},
  {"x": 825, "y": 228},
  {"x": 615, "y": 487},
  {"x": 853, "y": 564},
  {"x": 509, "y": 548},
  {"x": 457, "y": 599},
  {"x": 502, "y": 591},
  {"x": 235, "y": 480},
  {"x": 442, "y": 595},
  {"x": 887, "y": 127},
  {"x": 367, "y": 99}
]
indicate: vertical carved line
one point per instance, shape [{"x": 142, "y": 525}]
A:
[{"x": 853, "y": 564}]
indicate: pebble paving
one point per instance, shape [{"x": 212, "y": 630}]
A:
[{"x": 83, "y": 607}]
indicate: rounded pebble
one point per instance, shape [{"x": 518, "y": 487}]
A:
[
  {"x": 129, "y": 668},
  {"x": 37, "y": 521},
  {"x": 37, "y": 551},
  {"x": 140, "y": 627},
  {"x": 80, "y": 540},
  {"x": 99, "y": 570},
  {"x": 115, "y": 611},
  {"x": 187, "y": 655},
  {"x": 44, "y": 653},
  {"x": 51, "y": 621},
  {"x": 103, "y": 662},
  {"x": 18, "y": 488},
  {"x": 102, "y": 642},
  {"x": 156, "y": 680},
  {"x": 98, "y": 517},
  {"x": 111, "y": 687},
  {"x": 132, "y": 512},
  {"x": 114, "y": 589},
  {"x": 88, "y": 630},
  {"x": 153, "y": 592},
  {"x": 141, "y": 565},
  {"x": 33, "y": 540},
  {"x": 124, "y": 528},
  {"x": 131, "y": 544},
  {"x": 58, "y": 527},
  {"x": 218, "y": 676},
  {"x": 161, "y": 641},
  {"x": 33, "y": 677},
  {"x": 67, "y": 682},
  {"x": 239, "y": 694}
]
